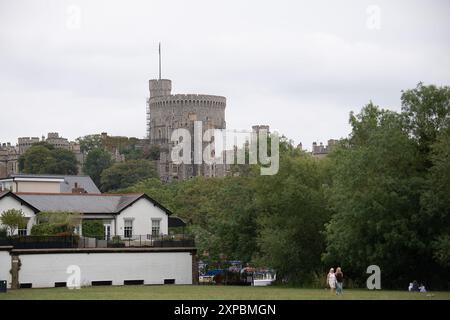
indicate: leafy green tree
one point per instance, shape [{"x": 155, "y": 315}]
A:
[
  {"x": 427, "y": 109},
  {"x": 93, "y": 228},
  {"x": 13, "y": 219},
  {"x": 97, "y": 160},
  {"x": 293, "y": 211},
  {"x": 164, "y": 193},
  {"x": 375, "y": 195},
  {"x": 125, "y": 174},
  {"x": 43, "y": 158},
  {"x": 153, "y": 152},
  {"x": 37, "y": 160},
  {"x": 221, "y": 216},
  {"x": 65, "y": 162},
  {"x": 436, "y": 200},
  {"x": 132, "y": 154},
  {"x": 90, "y": 142},
  {"x": 56, "y": 223}
]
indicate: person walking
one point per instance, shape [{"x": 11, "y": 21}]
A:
[
  {"x": 331, "y": 280},
  {"x": 339, "y": 280}
]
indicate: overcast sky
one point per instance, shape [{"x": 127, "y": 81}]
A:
[{"x": 82, "y": 67}]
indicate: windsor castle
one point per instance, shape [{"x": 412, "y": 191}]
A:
[{"x": 167, "y": 112}]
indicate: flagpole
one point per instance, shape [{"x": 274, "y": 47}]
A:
[{"x": 160, "y": 61}]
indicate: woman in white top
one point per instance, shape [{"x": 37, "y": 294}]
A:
[{"x": 331, "y": 280}]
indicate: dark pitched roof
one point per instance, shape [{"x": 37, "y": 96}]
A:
[
  {"x": 84, "y": 182},
  {"x": 9, "y": 193},
  {"x": 86, "y": 203},
  {"x": 175, "y": 222}
]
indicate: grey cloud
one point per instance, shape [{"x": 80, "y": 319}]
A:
[{"x": 300, "y": 66}]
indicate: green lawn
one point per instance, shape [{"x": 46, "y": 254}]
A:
[{"x": 187, "y": 292}]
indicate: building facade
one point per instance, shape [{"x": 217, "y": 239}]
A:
[
  {"x": 125, "y": 215},
  {"x": 138, "y": 221},
  {"x": 167, "y": 112},
  {"x": 9, "y": 159},
  {"x": 320, "y": 150}
]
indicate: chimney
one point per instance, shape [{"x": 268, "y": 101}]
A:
[{"x": 77, "y": 189}]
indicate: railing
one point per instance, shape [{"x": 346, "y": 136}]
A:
[{"x": 74, "y": 241}]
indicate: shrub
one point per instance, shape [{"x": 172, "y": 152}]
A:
[
  {"x": 13, "y": 219},
  {"x": 50, "y": 229},
  {"x": 53, "y": 223},
  {"x": 93, "y": 228}
]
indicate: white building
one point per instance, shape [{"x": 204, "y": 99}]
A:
[
  {"x": 150, "y": 260},
  {"x": 124, "y": 215}
]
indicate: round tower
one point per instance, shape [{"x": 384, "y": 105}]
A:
[{"x": 160, "y": 87}]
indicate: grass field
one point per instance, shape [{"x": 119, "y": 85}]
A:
[{"x": 186, "y": 292}]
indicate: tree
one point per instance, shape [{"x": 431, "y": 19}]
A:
[
  {"x": 428, "y": 112},
  {"x": 436, "y": 200},
  {"x": 97, "y": 160},
  {"x": 93, "y": 228},
  {"x": 13, "y": 219},
  {"x": 377, "y": 182},
  {"x": 56, "y": 223},
  {"x": 42, "y": 158},
  {"x": 65, "y": 162},
  {"x": 220, "y": 215},
  {"x": 90, "y": 142},
  {"x": 292, "y": 213},
  {"x": 153, "y": 152},
  {"x": 37, "y": 160},
  {"x": 125, "y": 174}
]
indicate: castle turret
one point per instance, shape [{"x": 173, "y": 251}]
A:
[{"x": 160, "y": 88}]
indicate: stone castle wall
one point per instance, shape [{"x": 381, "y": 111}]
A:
[{"x": 168, "y": 112}]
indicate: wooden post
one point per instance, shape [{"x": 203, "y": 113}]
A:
[
  {"x": 194, "y": 267},
  {"x": 15, "y": 267}
]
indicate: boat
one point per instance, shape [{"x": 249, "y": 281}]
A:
[{"x": 263, "y": 277}]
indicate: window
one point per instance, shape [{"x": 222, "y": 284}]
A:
[
  {"x": 77, "y": 229},
  {"x": 22, "y": 230},
  {"x": 156, "y": 227},
  {"x": 128, "y": 229}
]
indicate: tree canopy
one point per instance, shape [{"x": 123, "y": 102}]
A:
[
  {"x": 42, "y": 158},
  {"x": 124, "y": 174},
  {"x": 381, "y": 197},
  {"x": 96, "y": 161},
  {"x": 13, "y": 219}
]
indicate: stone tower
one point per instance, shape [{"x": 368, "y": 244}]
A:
[{"x": 167, "y": 112}]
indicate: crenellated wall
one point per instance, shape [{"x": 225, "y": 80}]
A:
[{"x": 167, "y": 112}]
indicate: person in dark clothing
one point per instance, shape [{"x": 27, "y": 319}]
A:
[{"x": 339, "y": 280}]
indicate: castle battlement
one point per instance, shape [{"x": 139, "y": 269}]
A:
[
  {"x": 188, "y": 98},
  {"x": 167, "y": 112}
]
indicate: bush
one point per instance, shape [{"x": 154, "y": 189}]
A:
[
  {"x": 116, "y": 242},
  {"x": 50, "y": 229},
  {"x": 3, "y": 233},
  {"x": 13, "y": 219},
  {"x": 93, "y": 228},
  {"x": 53, "y": 223}
]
